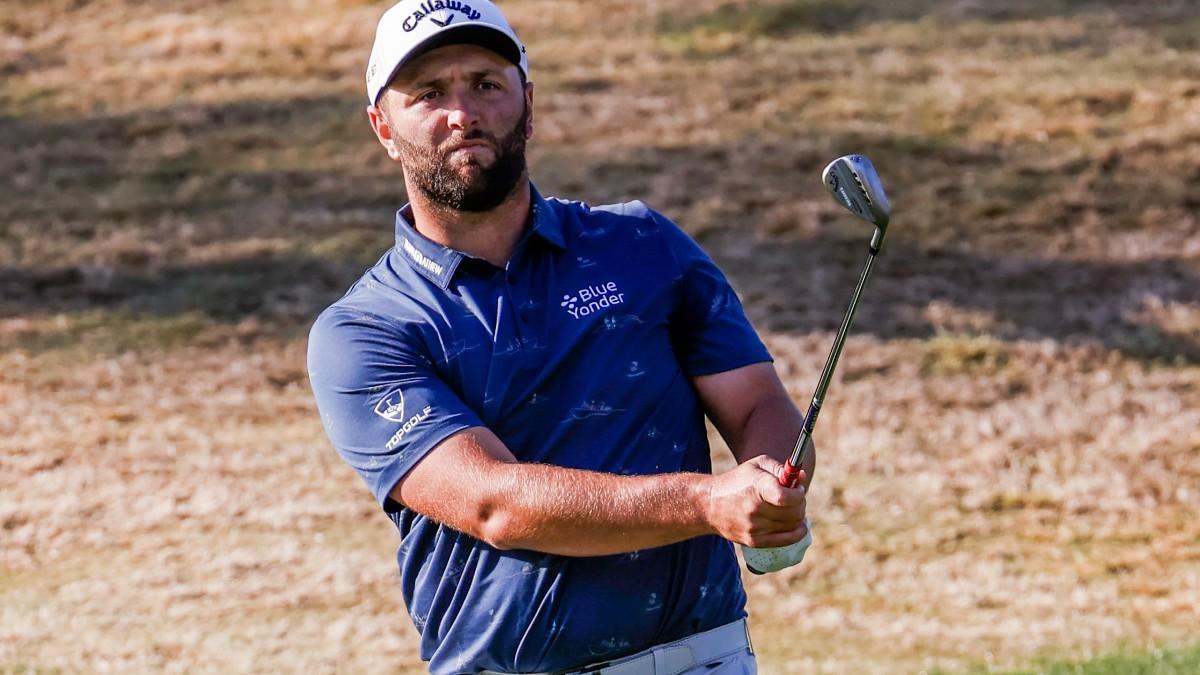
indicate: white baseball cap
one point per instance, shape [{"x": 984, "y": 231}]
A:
[{"x": 412, "y": 27}]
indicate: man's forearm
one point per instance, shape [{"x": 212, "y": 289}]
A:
[
  {"x": 603, "y": 513},
  {"x": 472, "y": 483},
  {"x": 586, "y": 513},
  {"x": 771, "y": 429}
]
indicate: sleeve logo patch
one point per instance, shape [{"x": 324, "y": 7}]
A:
[{"x": 391, "y": 408}]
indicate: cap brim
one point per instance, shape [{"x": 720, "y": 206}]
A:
[{"x": 482, "y": 35}]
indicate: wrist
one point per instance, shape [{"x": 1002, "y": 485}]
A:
[{"x": 701, "y": 498}]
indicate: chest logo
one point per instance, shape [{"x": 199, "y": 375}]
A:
[{"x": 591, "y": 299}]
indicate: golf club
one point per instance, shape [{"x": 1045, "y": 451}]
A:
[{"x": 855, "y": 185}]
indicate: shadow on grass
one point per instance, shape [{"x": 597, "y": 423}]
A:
[
  {"x": 227, "y": 291},
  {"x": 788, "y": 286},
  {"x": 216, "y": 160},
  {"x": 104, "y": 214},
  {"x": 804, "y": 285},
  {"x": 116, "y": 310}
]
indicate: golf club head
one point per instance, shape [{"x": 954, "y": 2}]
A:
[{"x": 855, "y": 185}]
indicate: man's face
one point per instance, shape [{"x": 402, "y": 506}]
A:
[{"x": 457, "y": 119}]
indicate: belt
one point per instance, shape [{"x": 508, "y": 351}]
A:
[{"x": 675, "y": 657}]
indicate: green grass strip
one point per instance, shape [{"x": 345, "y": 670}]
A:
[{"x": 1184, "y": 661}]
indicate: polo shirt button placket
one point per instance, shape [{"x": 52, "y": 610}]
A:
[{"x": 526, "y": 317}]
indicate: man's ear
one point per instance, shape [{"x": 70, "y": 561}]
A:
[
  {"x": 383, "y": 131},
  {"x": 529, "y": 110}
]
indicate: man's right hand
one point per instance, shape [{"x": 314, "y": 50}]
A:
[{"x": 748, "y": 506}]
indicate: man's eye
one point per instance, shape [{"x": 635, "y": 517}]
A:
[
  {"x": 489, "y": 85},
  {"x": 428, "y": 96}
]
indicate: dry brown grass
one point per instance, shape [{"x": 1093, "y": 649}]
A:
[{"x": 1010, "y": 463}]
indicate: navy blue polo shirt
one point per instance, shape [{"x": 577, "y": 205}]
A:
[{"x": 577, "y": 353}]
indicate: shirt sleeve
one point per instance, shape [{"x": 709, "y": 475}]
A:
[
  {"x": 382, "y": 403},
  {"x": 709, "y": 328}
]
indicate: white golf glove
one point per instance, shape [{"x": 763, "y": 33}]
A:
[{"x": 763, "y": 560}]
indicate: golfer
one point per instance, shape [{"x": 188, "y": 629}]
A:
[{"x": 522, "y": 382}]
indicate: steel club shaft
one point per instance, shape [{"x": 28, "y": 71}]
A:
[{"x": 791, "y": 470}]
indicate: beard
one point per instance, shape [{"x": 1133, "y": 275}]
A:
[{"x": 469, "y": 186}]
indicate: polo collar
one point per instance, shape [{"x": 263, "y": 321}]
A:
[
  {"x": 438, "y": 263},
  {"x": 545, "y": 221},
  {"x": 429, "y": 258}
]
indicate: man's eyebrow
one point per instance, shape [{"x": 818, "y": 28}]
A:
[{"x": 471, "y": 76}]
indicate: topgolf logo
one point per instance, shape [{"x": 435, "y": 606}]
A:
[
  {"x": 592, "y": 299},
  {"x": 391, "y": 408}
]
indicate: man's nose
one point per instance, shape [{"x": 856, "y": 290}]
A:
[{"x": 463, "y": 113}]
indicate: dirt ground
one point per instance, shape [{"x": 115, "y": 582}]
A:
[{"x": 1010, "y": 455}]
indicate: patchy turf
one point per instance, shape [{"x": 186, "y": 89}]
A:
[
  {"x": 1010, "y": 461},
  {"x": 1154, "y": 662}
]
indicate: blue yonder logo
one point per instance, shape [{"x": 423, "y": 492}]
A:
[{"x": 592, "y": 299}]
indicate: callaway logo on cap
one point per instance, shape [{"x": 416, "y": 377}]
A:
[{"x": 412, "y": 27}]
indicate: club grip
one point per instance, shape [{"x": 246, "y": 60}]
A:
[{"x": 790, "y": 476}]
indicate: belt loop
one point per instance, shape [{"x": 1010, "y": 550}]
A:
[{"x": 673, "y": 660}]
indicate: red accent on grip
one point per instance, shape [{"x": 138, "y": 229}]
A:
[{"x": 791, "y": 476}]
